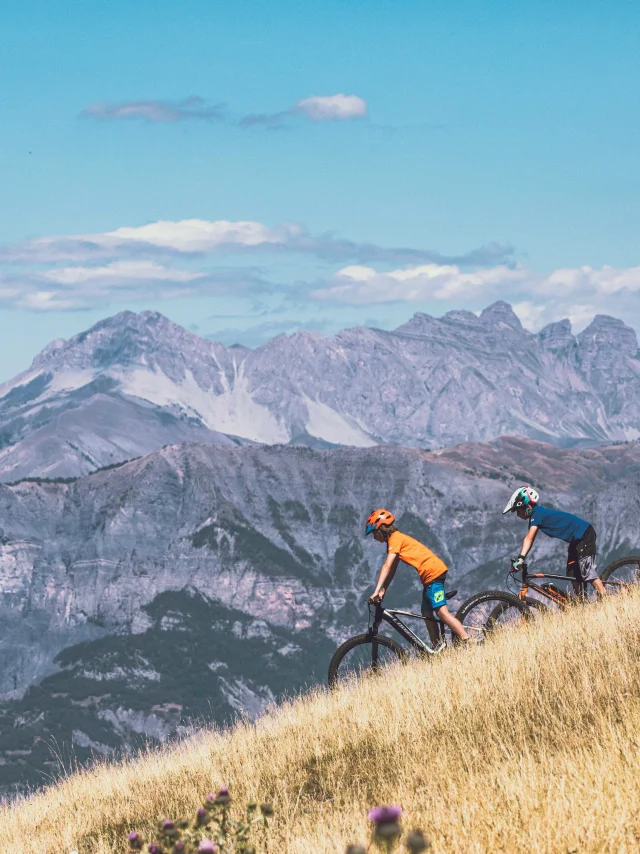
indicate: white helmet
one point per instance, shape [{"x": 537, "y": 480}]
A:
[{"x": 524, "y": 496}]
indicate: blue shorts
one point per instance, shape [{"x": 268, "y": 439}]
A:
[{"x": 433, "y": 595}]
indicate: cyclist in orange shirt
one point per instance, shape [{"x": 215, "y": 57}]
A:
[{"x": 430, "y": 568}]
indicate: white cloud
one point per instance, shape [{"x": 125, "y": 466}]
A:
[
  {"x": 607, "y": 280},
  {"x": 120, "y": 271},
  {"x": 197, "y": 235},
  {"x": 320, "y": 108},
  {"x": 192, "y": 236},
  {"x": 358, "y": 284}
]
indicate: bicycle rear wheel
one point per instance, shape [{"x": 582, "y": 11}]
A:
[
  {"x": 493, "y": 610},
  {"x": 621, "y": 574},
  {"x": 362, "y": 655}
]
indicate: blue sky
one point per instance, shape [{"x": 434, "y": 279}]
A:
[{"x": 479, "y": 151}]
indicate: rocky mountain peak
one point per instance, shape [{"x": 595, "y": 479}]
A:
[
  {"x": 461, "y": 316},
  {"x": 419, "y": 324},
  {"x": 122, "y": 339},
  {"x": 501, "y": 314},
  {"x": 609, "y": 332},
  {"x": 555, "y": 336}
]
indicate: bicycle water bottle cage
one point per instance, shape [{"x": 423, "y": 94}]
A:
[{"x": 551, "y": 588}]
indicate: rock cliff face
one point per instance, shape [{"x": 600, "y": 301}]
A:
[
  {"x": 136, "y": 382},
  {"x": 203, "y": 579}
]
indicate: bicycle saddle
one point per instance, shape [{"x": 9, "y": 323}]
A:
[{"x": 449, "y": 594}]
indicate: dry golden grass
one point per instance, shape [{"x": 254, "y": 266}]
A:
[{"x": 530, "y": 743}]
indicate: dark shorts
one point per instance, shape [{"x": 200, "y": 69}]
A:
[
  {"x": 581, "y": 559},
  {"x": 433, "y": 595}
]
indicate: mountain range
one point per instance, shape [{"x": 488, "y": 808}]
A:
[
  {"x": 136, "y": 382},
  {"x": 204, "y": 580}
]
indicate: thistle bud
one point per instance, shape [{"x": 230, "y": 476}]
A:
[
  {"x": 135, "y": 841},
  {"x": 202, "y": 817},
  {"x": 417, "y": 843},
  {"x": 169, "y": 829},
  {"x": 266, "y": 810},
  {"x": 223, "y": 797}
]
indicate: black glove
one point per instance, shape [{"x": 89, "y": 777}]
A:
[{"x": 517, "y": 563}]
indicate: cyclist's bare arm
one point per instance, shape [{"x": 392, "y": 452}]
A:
[
  {"x": 528, "y": 540},
  {"x": 387, "y": 571}
]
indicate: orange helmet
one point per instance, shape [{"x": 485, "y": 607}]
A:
[{"x": 377, "y": 518}]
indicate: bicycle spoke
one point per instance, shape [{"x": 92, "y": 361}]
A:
[
  {"x": 362, "y": 655},
  {"x": 622, "y": 575},
  {"x": 487, "y": 614}
]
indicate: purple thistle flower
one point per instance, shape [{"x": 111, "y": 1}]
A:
[
  {"x": 179, "y": 846},
  {"x": 385, "y": 815},
  {"x": 135, "y": 840},
  {"x": 168, "y": 828},
  {"x": 202, "y": 816},
  {"x": 207, "y": 846},
  {"x": 211, "y": 798},
  {"x": 155, "y": 849},
  {"x": 223, "y": 797}
]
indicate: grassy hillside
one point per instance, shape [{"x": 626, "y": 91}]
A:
[{"x": 530, "y": 743}]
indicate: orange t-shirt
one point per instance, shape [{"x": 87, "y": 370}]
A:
[{"x": 410, "y": 551}]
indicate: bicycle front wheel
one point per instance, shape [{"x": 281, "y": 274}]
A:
[
  {"x": 491, "y": 611},
  {"x": 362, "y": 655},
  {"x": 621, "y": 574}
]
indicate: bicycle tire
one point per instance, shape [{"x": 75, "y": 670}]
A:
[
  {"x": 490, "y": 610},
  {"x": 609, "y": 573},
  {"x": 531, "y": 603},
  {"x": 335, "y": 675}
]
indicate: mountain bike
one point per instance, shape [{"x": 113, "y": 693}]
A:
[
  {"x": 370, "y": 652},
  {"x": 617, "y": 577}
]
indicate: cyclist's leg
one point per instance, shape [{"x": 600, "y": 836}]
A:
[
  {"x": 587, "y": 563},
  {"x": 444, "y": 614},
  {"x": 426, "y": 610},
  {"x": 582, "y": 563},
  {"x": 435, "y": 598},
  {"x": 573, "y": 569}
]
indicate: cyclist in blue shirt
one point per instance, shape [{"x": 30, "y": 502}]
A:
[{"x": 581, "y": 559}]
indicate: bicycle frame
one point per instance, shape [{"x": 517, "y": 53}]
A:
[
  {"x": 390, "y": 616},
  {"x": 559, "y": 598}
]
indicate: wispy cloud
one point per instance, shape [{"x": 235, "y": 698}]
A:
[
  {"x": 327, "y": 108},
  {"x": 156, "y": 112},
  {"x": 316, "y": 108},
  {"x": 78, "y": 288},
  {"x": 198, "y": 237}
]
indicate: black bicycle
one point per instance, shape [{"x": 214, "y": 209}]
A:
[{"x": 480, "y": 615}]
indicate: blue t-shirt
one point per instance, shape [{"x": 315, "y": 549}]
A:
[{"x": 558, "y": 524}]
